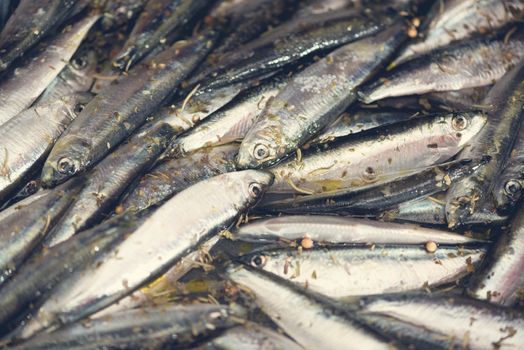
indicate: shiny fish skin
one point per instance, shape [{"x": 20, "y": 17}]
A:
[
  {"x": 374, "y": 157},
  {"x": 143, "y": 256},
  {"x": 423, "y": 211},
  {"x": 501, "y": 279},
  {"x": 495, "y": 140},
  {"x": 21, "y": 87},
  {"x": 119, "y": 109},
  {"x": 230, "y": 123},
  {"x": 354, "y": 271},
  {"x": 155, "y": 327},
  {"x": 22, "y": 231},
  {"x": 107, "y": 181},
  {"x": 174, "y": 175},
  {"x": 155, "y": 24},
  {"x": 336, "y": 229},
  {"x": 477, "y": 324},
  {"x": 27, "y": 138},
  {"x": 455, "y": 20},
  {"x": 43, "y": 272},
  {"x": 290, "y": 42},
  {"x": 250, "y": 336},
  {"x": 461, "y": 99},
  {"x": 455, "y": 67},
  {"x": 314, "y": 98},
  {"x": 30, "y": 22},
  {"x": 321, "y": 325},
  {"x": 5, "y": 212},
  {"x": 373, "y": 198}
]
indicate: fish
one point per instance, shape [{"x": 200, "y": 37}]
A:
[
  {"x": 22, "y": 86},
  {"x": 312, "y": 321},
  {"x": 344, "y": 272},
  {"x": 122, "y": 107},
  {"x": 142, "y": 256},
  {"x": 462, "y": 321},
  {"x": 37, "y": 277},
  {"x": 376, "y": 157},
  {"x": 289, "y": 43},
  {"x": 30, "y": 23},
  {"x": 27, "y": 139},
  {"x": 168, "y": 325},
  {"x": 315, "y": 97},
  {"x": 230, "y": 123},
  {"x": 106, "y": 182},
  {"x": 250, "y": 336},
  {"x": 158, "y": 21},
  {"x": 342, "y": 230},
  {"x": 117, "y": 13},
  {"x": 499, "y": 281},
  {"x": 461, "y": 99},
  {"x": 456, "y": 20},
  {"x": 425, "y": 210},
  {"x": 174, "y": 175},
  {"x": 495, "y": 141},
  {"x": 24, "y": 230},
  {"x": 454, "y": 67}
]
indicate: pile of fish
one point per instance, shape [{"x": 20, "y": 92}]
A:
[{"x": 261, "y": 174}]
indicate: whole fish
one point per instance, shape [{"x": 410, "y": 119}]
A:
[
  {"x": 474, "y": 63},
  {"x": 22, "y": 231},
  {"x": 455, "y": 20},
  {"x": 27, "y": 138},
  {"x": 290, "y": 42},
  {"x": 500, "y": 280},
  {"x": 30, "y": 23},
  {"x": 343, "y": 230},
  {"x": 22, "y": 86},
  {"x": 155, "y": 327},
  {"x": 174, "y": 175},
  {"x": 373, "y": 198},
  {"x": 495, "y": 141},
  {"x": 106, "y": 182},
  {"x": 119, "y": 109},
  {"x": 468, "y": 322},
  {"x": 250, "y": 336},
  {"x": 378, "y": 156},
  {"x": 155, "y": 24},
  {"x": 314, "y": 98},
  {"x": 43, "y": 272},
  {"x": 230, "y": 123},
  {"x": 143, "y": 256},
  {"x": 351, "y": 271},
  {"x": 117, "y": 13},
  {"x": 310, "y": 320}
]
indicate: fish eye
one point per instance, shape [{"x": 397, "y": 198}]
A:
[
  {"x": 258, "y": 261},
  {"x": 255, "y": 189},
  {"x": 512, "y": 187},
  {"x": 66, "y": 166},
  {"x": 459, "y": 122},
  {"x": 79, "y": 62},
  {"x": 79, "y": 107},
  {"x": 261, "y": 151}
]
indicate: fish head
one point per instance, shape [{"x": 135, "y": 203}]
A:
[
  {"x": 258, "y": 151},
  {"x": 81, "y": 69},
  {"x": 463, "y": 127},
  {"x": 253, "y": 184},
  {"x": 507, "y": 193},
  {"x": 66, "y": 160}
]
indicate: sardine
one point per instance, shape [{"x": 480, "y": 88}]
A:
[
  {"x": 311, "y": 321},
  {"x": 31, "y": 22},
  {"x": 375, "y": 157},
  {"x": 21, "y": 87},
  {"x": 336, "y": 229},
  {"x": 474, "y": 63},
  {"x": 500, "y": 280},
  {"x": 424, "y": 210},
  {"x": 168, "y": 178},
  {"x": 461, "y": 99},
  {"x": 314, "y": 98},
  {"x": 155, "y": 24},
  {"x": 119, "y": 109},
  {"x": 455, "y": 20},
  {"x": 155, "y": 327},
  {"x": 27, "y": 138},
  {"x": 143, "y": 256},
  {"x": 495, "y": 141}
]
